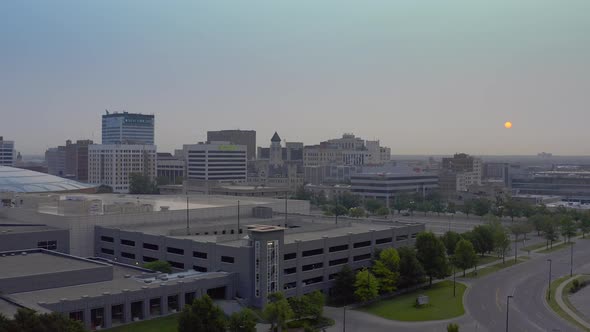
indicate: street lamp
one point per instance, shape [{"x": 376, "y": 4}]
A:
[
  {"x": 549, "y": 288},
  {"x": 572, "y": 259},
  {"x": 344, "y": 320},
  {"x": 507, "y": 309}
]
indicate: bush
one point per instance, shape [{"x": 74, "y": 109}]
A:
[{"x": 577, "y": 285}]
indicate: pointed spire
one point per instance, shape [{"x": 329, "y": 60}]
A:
[{"x": 275, "y": 138}]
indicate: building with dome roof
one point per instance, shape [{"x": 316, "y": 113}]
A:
[{"x": 17, "y": 180}]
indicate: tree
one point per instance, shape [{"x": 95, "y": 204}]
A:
[
  {"x": 243, "y": 321},
  {"x": 465, "y": 256},
  {"x": 386, "y": 269},
  {"x": 431, "y": 252},
  {"x": 452, "y": 327},
  {"x": 450, "y": 240},
  {"x": 160, "y": 266},
  {"x": 366, "y": 286},
  {"x": 357, "y": 212},
  {"x": 410, "y": 269},
  {"x": 142, "y": 184},
  {"x": 482, "y": 239},
  {"x": 202, "y": 315},
  {"x": 315, "y": 304},
  {"x": 26, "y": 320},
  {"x": 336, "y": 210},
  {"x": 299, "y": 305},
  {"x": 401, "y": 202},
  {"x": 567, "y": 227},
  {"x": 424, "y": 206},
  {"x": 277, "y": 311},
  {"x": 584, "y": 224},
  {"x": 349, "y": 200},
  {"x": 372, "y": 205},
  {"x": 467, "y": 207},
  {"x": 162, "y": 180},
  {"x": 513, "y": 208},
  {"x": 104, "y": 189},
  {"x": 343, "y": 289},
  {"x": 451, "y": 208},
  {"x": 550, "y": 230},
  {"x": 382, "y": 211},
  {"x": 502, "y": 242},
  {"x": 437, "y": 206},
  {"x": 481, "y": 207},
  {"x": 538, "y": 222}
]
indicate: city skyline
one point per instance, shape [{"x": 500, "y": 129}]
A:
[{"x": 434, "y": 79}]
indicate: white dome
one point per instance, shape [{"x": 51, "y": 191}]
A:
[{"x": 26, "y": 181}]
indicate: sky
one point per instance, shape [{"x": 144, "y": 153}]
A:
[{"x": 424, "y": 77}]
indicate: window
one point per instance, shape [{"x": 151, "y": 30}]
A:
[
  {"x": 149, "y": 259},
  {"x": 310, "y": 267},
  {"x": 290, "y": 285},
  {"x": 227, "y": 259},
  {"x": 312, "y": 281},
  {"x": 201, "y": 255},
  {"x": 332, "y": 276},
  {"x": 49, "y": 245},
  {"x": 313, "y": 252},
  {"x": 361, "y": 257},
  {"x": 339, "y": 261},
  {"x": 107, "y": 251},
  {"x": 401, "y": 237},
  {"x": 151, "y": 246},
  {"x": 292, "y": 255},
  {"x": 107, "y": 239},
  {"x": 175, "y": 251},
  {"x": 199, "y": 268},
  {"x": 384, "y": 240},
  {"x": 339, "y": 248},
  {"x": 362, "y": 244},
  {"x": 128, "y": 243},
  {"x": 290, "y": 270},
  {"x": 127, "y": 255},
  {"x": 176, "y": 265},
  {"x": 414, "y": 235}
]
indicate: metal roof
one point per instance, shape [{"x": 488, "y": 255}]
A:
[{"x": 26, "y": 181}]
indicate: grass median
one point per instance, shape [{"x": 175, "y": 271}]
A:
[
  {"x": 495, "y": 268},
  {"x": 442, "y": 304},
  {"x": 556, "y": 247},
  {"x": 556, "y": 308}
]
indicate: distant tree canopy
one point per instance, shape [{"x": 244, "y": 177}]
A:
[
  {"x": 140, "y": 184},
  {"x": 26, "y": 320}
]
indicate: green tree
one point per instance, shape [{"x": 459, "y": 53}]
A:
[
  {"x": 142, "y": 184},
  {"x": 502, "y": 241},
  {"x": 372, "y": 205},
  {"x": 467, "y": 207},
  {"x": 401, "y": 202},
  {"x": 481, "y": 207},
  {"x": 357, "y": 212},
  {"x": 451, "y": 207},
  {"x": 162, "y": 181},
  {"x": 366, "y": 286},
  {"x": 410, "y": 269},
  {"x": 302, "y": 194},
  {"x": 382, "y": 211},
  {"x": 336, "y": 210},
  {"x": 538, "y": 222},
  {"x": 349, "y": 200},
  {"x": 424, "y": 207},
  {"x": 465, "y": 256},
  {"x": 450, "y": 240},
  {"x": 202, "y": 315},
  {"x": 104, "y": 189},
  {"x": 483, "y": 239},
  {"x": 343, "y": 289},
  {"x": 386, "y": 269},
  {"x": 452, "y": 327},
  {"x": 584, "y": 224},
  {"x": 315, "y": 304},
  {"x": 431, "y": 252},
  {"x": 26, "y": 320},
  {"x": 160, "y": 266},
  {"x": 277, "y": 311},
  {"x": 513, "y": 208},
  {"x": 567, "y": 227},
  {"x": 243, "y": 321},
  {"x": 550, "y": 229}
]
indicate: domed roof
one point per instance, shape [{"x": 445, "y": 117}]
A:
[
  {"x": 26, "y": 181},
  {"x": 275, "y": 138}
]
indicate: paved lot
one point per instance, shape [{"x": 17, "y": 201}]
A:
[{"x": 581, "y": 300}]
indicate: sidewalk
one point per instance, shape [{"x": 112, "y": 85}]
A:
[{"x": 564, "y": 307}]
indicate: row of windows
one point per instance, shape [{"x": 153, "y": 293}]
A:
[
  {"x": 147, "y": 259},
  {"x": 49, "y": 245}
]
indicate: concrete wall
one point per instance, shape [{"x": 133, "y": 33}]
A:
[{"x": 28, "y": 240}]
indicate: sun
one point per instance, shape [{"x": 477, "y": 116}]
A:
[{"x": 508, "y": 125}]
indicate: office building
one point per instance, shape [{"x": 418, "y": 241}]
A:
[
  {"x": 128, "y": 128},
  {"x": 69, "y": 161},
  {"x": 216, "y": 161},
  {"x": 56, "y": 161},
  {"x": 386, "y": 186},
  {"x": 347, "y": 150},
  {"x": 236, "y": 137},
  {"x": 460, "y": 172},
  {"x": 7, "y": 152},
  {"x": 170, "y": 168},
  {"x": 569, "y": 185},
  {"x": 112, "y": 164}
]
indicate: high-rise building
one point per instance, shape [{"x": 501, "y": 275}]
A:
[
  {"x": 69, "y": 161},
  {"x": 128, "y": 128},
  {"x": 216, "y": 161},
  {"x": 112, "y": 164},
  {"x": 236, "y": 137},
  {"x": 56, "y": 161},
  {"x": 459, "y": 173},
  {"x": 347, "y": 150},
  {"x": 6, "y": 152}
]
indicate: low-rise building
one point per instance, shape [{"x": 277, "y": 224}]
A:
[
  {"x": 386, "y": 186},
  {"x": 7, "y": 152}
]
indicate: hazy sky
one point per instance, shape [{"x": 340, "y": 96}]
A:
[{"x": 425, "y": 77}]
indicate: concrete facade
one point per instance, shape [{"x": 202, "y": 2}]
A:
[
  {"x": 22, "y": 236},
  {"x": 7, "y": 152}
]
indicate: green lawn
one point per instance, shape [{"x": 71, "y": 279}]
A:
[
  {"x": 442, "y": 304},
  {"x": 534, "y": 246},
  {"x": 553, "y": 303},
  {"x": 163, "y": 324},
  {"x": 555, "y": 248},
  {"x": 494, "y": 268}
]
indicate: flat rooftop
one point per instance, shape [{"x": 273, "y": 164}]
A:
[
  {"x": 11, "y": 228},
  {"x": 37, "y": 263}
]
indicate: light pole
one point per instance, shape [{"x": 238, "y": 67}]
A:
[
  {"x": 187, "y": 218},
  {"x": 238, "y": 217},
  {"x": 549, "y": 288},
  {"x": 344, "y": 320},
  {"x": 572, "y": 259},
  {"x": 454, "y": 281},
  {"x": 507, "y": 309}
]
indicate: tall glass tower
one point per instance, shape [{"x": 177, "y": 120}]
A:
[{"x": 127, "y": 128}]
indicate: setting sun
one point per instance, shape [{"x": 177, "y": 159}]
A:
[{"x": 508, "y": 125}]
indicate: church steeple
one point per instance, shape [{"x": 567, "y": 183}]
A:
[{"x": 275, "y": 138}]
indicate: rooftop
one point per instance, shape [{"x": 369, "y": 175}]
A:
[
  {"x": 13, "y": 228},
  {"x": 18, "y": 265},
  {"x": 25, "y": 181}
]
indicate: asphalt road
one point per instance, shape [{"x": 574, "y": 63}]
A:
[{"x": 527, "y": 282}]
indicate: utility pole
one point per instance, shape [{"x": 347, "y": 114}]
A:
[
  {"x": 238, "y": 217},
  {"x": 188, "y": 232},
  {"x": 515, "y": 248},
  {"x": 507, "y": 309},
  {"x": 549, "y": 288},
  {"x": 572, "y": 259},
  {"x": 344, "y": 320},
  {"x": 286, "y": 216},
  {"x": 454, "y": 282}
]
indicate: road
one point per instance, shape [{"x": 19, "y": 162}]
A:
[{"x": 485, "y": 300}]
